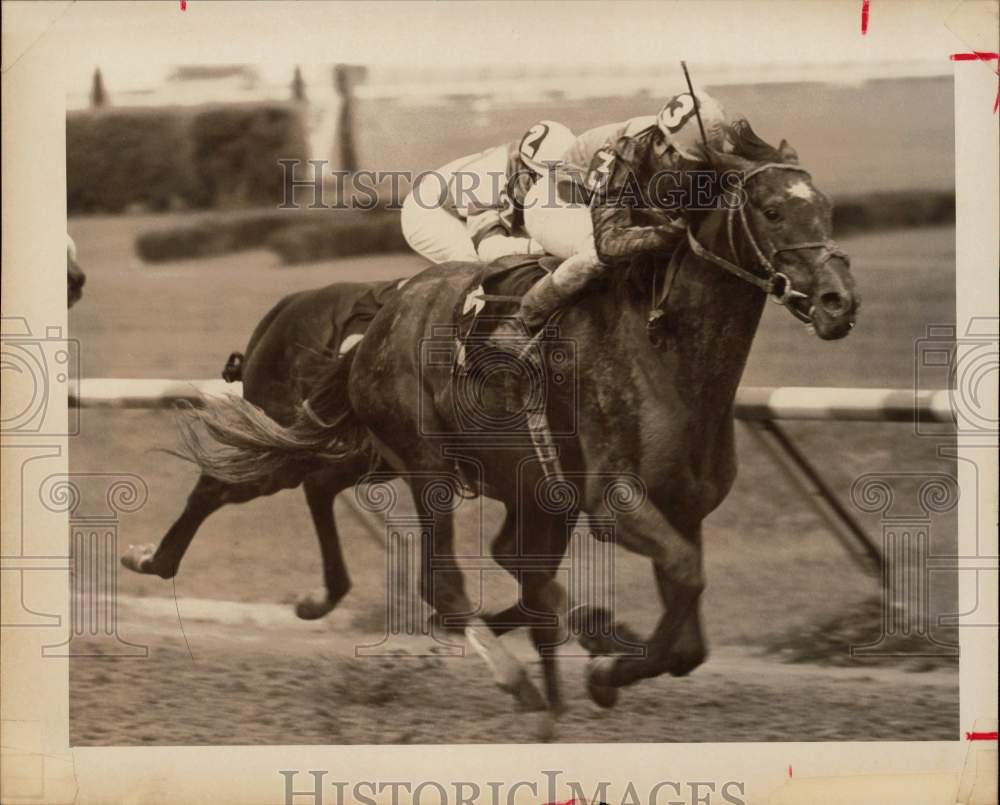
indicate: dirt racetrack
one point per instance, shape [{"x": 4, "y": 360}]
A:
[
  {"x": 228, "y": 662},
  {"x": 255, "y": 675}
]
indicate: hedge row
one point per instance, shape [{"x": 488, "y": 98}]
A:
[
  {"x": 298, "y": 236},
  {"x": 304, "y": 235},
  {"x": 210, "y": 237},
  {"x": 180, "y": 157},
  {"x": 380, "y": 234},
  {"x": 893, "y": 210}
]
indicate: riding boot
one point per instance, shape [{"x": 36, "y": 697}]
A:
[
  {"x": 537, "y": 305},
  {"x": 540, "y": 302}
]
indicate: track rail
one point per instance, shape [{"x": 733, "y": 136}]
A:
[{"x": 753, "y": 403}]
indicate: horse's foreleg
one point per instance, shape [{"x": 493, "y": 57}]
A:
[
  {"x": 676, "y": 645},
  {"x": 320, "y": 492},
  {"x": 687, "y": 649},
  {"x": 208, "y": 496}
]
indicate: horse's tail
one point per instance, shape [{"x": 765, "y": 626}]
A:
[{"x": 237, "y": 442}]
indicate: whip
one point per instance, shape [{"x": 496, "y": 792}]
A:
[{"x": 697, "y": 112}]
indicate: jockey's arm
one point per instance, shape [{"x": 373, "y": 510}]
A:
[
  {"x": 492, "y": 238},
  {"x": 489, "y": 212},
  {"x": 616, "y": 237}
]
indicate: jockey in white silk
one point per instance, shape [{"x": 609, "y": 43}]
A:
[
  {"x": 577, "y": 212},
  {"x": 472, "y": 209}
]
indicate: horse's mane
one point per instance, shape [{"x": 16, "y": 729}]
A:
[
  {"x": 747, "y": 144},
  {"x": 639, "y": 274}
]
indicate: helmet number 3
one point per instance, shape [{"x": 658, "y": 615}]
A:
[{"x": 677, "y": 112}]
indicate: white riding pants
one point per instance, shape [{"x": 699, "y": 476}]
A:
[{"x": 434, "y": 233}]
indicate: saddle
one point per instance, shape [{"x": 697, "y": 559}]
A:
[{"x": 494, "y": 293}]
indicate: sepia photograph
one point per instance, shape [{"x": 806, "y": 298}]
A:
[{"x": 521, "y": 373}]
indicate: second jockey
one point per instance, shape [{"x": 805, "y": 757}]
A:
[
  {"x": 472, "y": 209},
  {"x": 598, "y": 208}
]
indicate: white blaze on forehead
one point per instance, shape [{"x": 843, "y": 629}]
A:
[{"x": 800, "y": 189}]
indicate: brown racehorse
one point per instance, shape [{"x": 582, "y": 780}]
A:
[
  {"x": 645, "y": 436},
  {"x": 277, "y": 369}
]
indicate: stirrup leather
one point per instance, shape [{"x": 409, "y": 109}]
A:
[{"x": 538, "y": 422}]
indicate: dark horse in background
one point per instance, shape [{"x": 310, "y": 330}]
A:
[
  {"x": 299, "y": 336},
  {"x": 650, "y": 445}
]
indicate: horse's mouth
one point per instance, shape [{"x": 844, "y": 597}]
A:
[{"x": 828, "y": 328}]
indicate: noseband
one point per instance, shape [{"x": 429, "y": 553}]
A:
[{"x": 775, "y": 284}]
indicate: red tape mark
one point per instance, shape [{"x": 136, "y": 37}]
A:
[
  {"x": 976, "y": 54},
  {"x": 864, "y": 17},
  {"x": 980, "y": 736},
  {"x": 981, "y": 55}
]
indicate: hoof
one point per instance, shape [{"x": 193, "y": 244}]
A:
[
  {"x": 598, "y": 672},
  {"x": 139, "y": 559},
  {"x": 314, "y": 605}
]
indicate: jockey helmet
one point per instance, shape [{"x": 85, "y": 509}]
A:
[
  {"x": 679, "y": 123},
  {"x": 545, "y": 144}
]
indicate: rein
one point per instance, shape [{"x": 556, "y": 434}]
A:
[{"x": 775, "y": 284}]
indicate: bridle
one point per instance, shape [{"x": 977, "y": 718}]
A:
[{"x": 775, "y": 284}]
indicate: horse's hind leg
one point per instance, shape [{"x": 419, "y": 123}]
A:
[
  {"x": 209, "y": 495},
  {"x": 321, "y": 489},
  {"x": 543, "y": 600},
  {"x": 443, "y": 587}
]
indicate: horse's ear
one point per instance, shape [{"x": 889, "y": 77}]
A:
[{"x": 788, "y": 154}]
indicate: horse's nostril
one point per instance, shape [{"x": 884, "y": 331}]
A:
[{"x": 833, "y": 303}]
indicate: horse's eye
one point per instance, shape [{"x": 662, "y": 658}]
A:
[{"x": 772, "y": 214}]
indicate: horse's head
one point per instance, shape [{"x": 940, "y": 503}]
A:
[
  {"x": 782, "y": 228},
  {"x": 75, "y": 278}
]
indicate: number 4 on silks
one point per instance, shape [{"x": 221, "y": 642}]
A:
[{"x": 603, "y": 160}]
